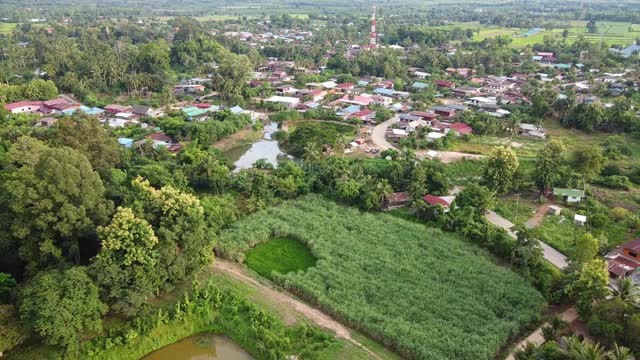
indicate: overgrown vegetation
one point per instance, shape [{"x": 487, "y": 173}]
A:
[{"x": 433, "y": 279}]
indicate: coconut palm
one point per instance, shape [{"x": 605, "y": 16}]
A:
[
  {"x": 582, "y": 350},
  {"x": 620, "y": 353},
  {"x": 627, "y": 291}
]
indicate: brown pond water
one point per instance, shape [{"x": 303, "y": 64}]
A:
[{"x": 201, "y": 347}]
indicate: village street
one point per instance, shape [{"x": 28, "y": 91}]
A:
[
  {"x": 550, "y": 254},
  {"x": 379, "y": 131},
  {"x": 379, "y": 140}
]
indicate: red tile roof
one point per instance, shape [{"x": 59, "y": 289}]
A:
[
  {"x": 633, "y": 245},
  {"x": 362, "y": 113},
  {"x": 443, "y": 83},
  {"x": 462, "y": 128},
  {"x": 55, "y": 102},
  {"x": 621, "y": 266},
  {"x": 423, "y": 114},
  {"x": 159, "y": 136},
  {"x": 434, "y": 200},
  {"x": 20, "y": 104}
]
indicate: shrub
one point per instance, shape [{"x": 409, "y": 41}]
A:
[
  {"x": 618, "y": 213},
  {"x": 618, "y": 182}
]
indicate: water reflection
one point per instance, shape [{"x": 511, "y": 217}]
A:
[{"x": 201, "y": 347}]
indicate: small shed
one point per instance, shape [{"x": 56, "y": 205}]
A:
[
  {"x": 579, "y": 220},
  {"x": 569, "y": 195},
  {"x": 554, "y": 210}
]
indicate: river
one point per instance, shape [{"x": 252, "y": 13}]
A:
[
  {"x": 201, "y": 347},
  {"x": 265, "y": 148}
]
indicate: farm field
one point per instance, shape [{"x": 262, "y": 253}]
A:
[
  {"x": 610, "y": 33},
  {"x": 7, "y": 27},
  {"x": 423, "y": 292}
]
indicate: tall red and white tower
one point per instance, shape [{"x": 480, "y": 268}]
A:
[{"x": 373, "y": 41}]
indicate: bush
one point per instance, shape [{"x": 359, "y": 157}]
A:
[
  {"x": 618, "y": 182},
  {"x": 618, "y": 213}
]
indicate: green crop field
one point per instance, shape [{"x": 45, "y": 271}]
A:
[
  {"x": 283, "y": 255},
  {"x": 7, "y": 27},
  {"x": 426, "y": 293},
  {"x": 610, "y": 33}
]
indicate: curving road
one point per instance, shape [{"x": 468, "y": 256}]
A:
[
  {"x": 552, "y": 255},
  {"x": 379, "y": 132}
]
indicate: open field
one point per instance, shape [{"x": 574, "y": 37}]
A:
[
  {"x": 6, "y": 28},
  {"x": 610, "y": 33},
  {"x": 205, "y": 18},
  {"x": 425, "y": 293},
  {"x": 283, "y": 255}
]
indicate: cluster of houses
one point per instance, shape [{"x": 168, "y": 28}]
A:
[
  {"x": 255, "y": 40},
  {"x": 114, "y": 116}
]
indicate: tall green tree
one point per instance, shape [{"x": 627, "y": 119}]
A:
[
  {"x": 124, "y": 267},
  {"x": 185, "y": 244},
  {"x": 591, "y": 285},
  {"x": 586, "y": 248},
  {"x": 62, "y": 307},
  {"x": 233, "y": 73},
  {"x": 52, "y": 201},
  {"x": 549, "y": 165},
  {"x": 588, "y": 161},
  {"x": 86, "y": 134},
  {"x": 499, "y": 169}
]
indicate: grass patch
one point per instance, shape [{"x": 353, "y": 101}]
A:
[
  {"x": 283, "y": 255},
  {"x": 514, "y": 210},
  {"x": 418, "y": 290},
  {"x": 6, "y": 28},
  {"x": 560, "y": 233}
]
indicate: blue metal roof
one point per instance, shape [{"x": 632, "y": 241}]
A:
[
  {"x": 629, "y": 50},
  {"x": 236, "y": 110},
  {"x": 384, "y": 91}
]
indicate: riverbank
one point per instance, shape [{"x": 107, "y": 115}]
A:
[{"x": 244, "y": 137}]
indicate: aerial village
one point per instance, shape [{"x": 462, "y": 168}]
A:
[{"x": 540, "y": 142}]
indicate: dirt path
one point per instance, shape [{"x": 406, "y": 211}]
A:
[
  {"x": 450, "y": 156},
  {"x": 314, "y": 315},
  {"x": 537, "y": 218},
  {"x": 570, "y": 316}
]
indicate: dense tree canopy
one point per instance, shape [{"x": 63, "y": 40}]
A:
[
  {"x": 53, "y": 201},
  {"x": 62, "y": 306}
]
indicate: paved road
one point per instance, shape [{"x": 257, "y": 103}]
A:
[
  {"x": 378, "y": 134},
  {"x": 550, "y": 254},
  {"x": 379, "y": 140}
]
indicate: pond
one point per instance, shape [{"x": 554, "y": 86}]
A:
[
  {"x": 201, "y": 347},
  {"x": 265, "y": 148}
]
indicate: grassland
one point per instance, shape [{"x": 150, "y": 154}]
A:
[
  {"x": 518, "y": 211},
  {"x": 425, "y": 293},
  {"x": 6, "y": 28},
  {"x": 283, "y": 255},
  {"x": 610, "y": 33}
]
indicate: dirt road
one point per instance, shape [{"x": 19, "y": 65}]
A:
[
  {"x": 537, "y": 218},
  {"x": 314, "y": 315}
]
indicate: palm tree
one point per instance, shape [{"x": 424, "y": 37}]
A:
[
  {"x": 383, "y": 190},
  {"x": 311, "y": 152},
  {"x": 627, "y": 291},
  {"x": 581, "y": 350},
  {"x": 620, "y": 353}
]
